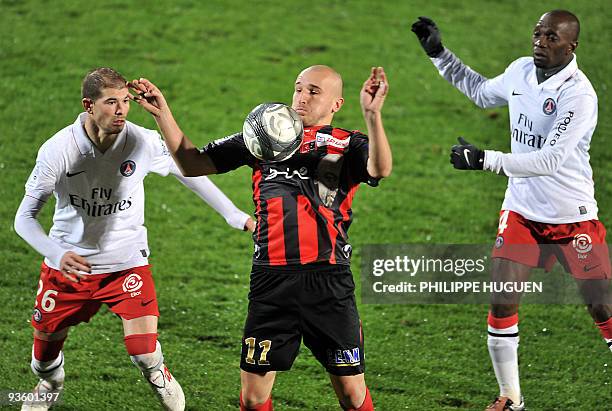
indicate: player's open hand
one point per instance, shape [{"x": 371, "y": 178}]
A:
[
  {"x": 72, "y": 266},
  {"x": 374, "y": 91},
  {"x": 148, "y": 96}
]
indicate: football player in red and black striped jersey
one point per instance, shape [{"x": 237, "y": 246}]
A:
[{"x": 301, "y": 283}]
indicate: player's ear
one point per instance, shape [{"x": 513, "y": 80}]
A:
[
  {"x": 87, "y": 105},
  {"x": 573, "y": 46},
  {"x": 337, "y": 104}
]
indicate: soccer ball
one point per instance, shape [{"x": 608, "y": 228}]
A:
[{"x": 273, "y": 131}]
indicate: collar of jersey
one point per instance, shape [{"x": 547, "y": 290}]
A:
[
  {"x": 314, "y": 129},
  {"x": 558, "y": 79},
  {"x": 84, "y": 143}
]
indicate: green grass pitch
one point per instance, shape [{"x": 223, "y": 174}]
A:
[{"x": 215, "y": 60}]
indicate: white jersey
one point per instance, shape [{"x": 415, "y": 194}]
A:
[
  {"x": 99, "y": 210},
  {"x": 550, "y": 178}
]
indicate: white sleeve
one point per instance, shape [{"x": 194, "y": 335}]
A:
[
  {"x": 161, "y": 159},
  {"x": 38, "y": 189},
  {"x": 483, "y": 92},
  {"x": 210, "y": 193},
  {"x": 44, "y": 176},
  {"x": 574, "y": 121},
  {"x": 28, "y": 228}
]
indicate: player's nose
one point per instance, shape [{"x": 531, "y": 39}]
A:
[
  {"x": 302, "y": 97},
  {"x": 122, "y": 108},
  {"x": 539, "y": 41}
]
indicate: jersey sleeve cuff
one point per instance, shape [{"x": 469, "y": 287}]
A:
[
  {"x": 238, "y": 220},
  {"x": 56, "y": 257},
  {"x": 444, "y": 55},
  {"x": 492, "y": 161}
]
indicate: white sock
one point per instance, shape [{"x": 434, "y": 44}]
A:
[
  {"x": 150, "y": 364},
  {"x": 503, "y": 348},
  {"x": 52, "y": 371}
]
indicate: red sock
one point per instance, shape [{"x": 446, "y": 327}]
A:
[
  {"x": 367, "y": 404},
  {"x": 47, "y": 350},
  {"x": 138, "y": 344},
  {"x": 504, "y": 322},
  {"x": 606, "y": 328},
  {"x": 266, "y": 406}
]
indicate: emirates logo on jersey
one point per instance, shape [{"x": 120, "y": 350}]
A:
[
  {"x": 549, "y": 106},
  {"x": 127, "y": 168}
]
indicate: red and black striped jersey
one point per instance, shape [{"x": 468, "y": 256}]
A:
[{"x": 302, "y": 204}]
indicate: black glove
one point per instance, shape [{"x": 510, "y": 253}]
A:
[
  {"x": 429, "y": 36},
  {"x": 465, "y": 156}
]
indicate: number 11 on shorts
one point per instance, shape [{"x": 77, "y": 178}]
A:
[{"x": 265, "y": 345}]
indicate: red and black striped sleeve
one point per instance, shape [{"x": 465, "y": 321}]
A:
[{"x": 357, "y": 159}]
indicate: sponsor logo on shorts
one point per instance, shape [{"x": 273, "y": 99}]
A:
[
  {"x": 499, "y": 241},
  {"x": 344, "y": 358},
  {"x": 37, "y": 315},
  {"x": 127, "y": 168},
  {"x": 588, "y": 268},
  {"x": 583, "y": 244},
  {"x": 132, "y": 284},
  {"x": 549, "y": 107}
]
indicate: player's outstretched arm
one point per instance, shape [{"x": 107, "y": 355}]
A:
[
  {"x": 27, "y": 227},
  {"x": 574, "y": 119},
  {"x": 214, "y": 197},
  {"x": 191, "y": 161},
  {"x": 372, "y": 98},
  {"x": 482, "y": 91}
]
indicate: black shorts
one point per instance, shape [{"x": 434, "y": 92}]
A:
[{"x": 316, "y": 303}]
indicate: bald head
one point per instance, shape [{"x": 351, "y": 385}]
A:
[
  {"x": 317, "y": 95},
  {"x": 327, "y": 75},
  {"x": 565, "y": 20}
]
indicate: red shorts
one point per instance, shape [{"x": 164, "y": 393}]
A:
[
  {"x": 580, "y": 247},
  {"x": 61, "y": 303}
]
